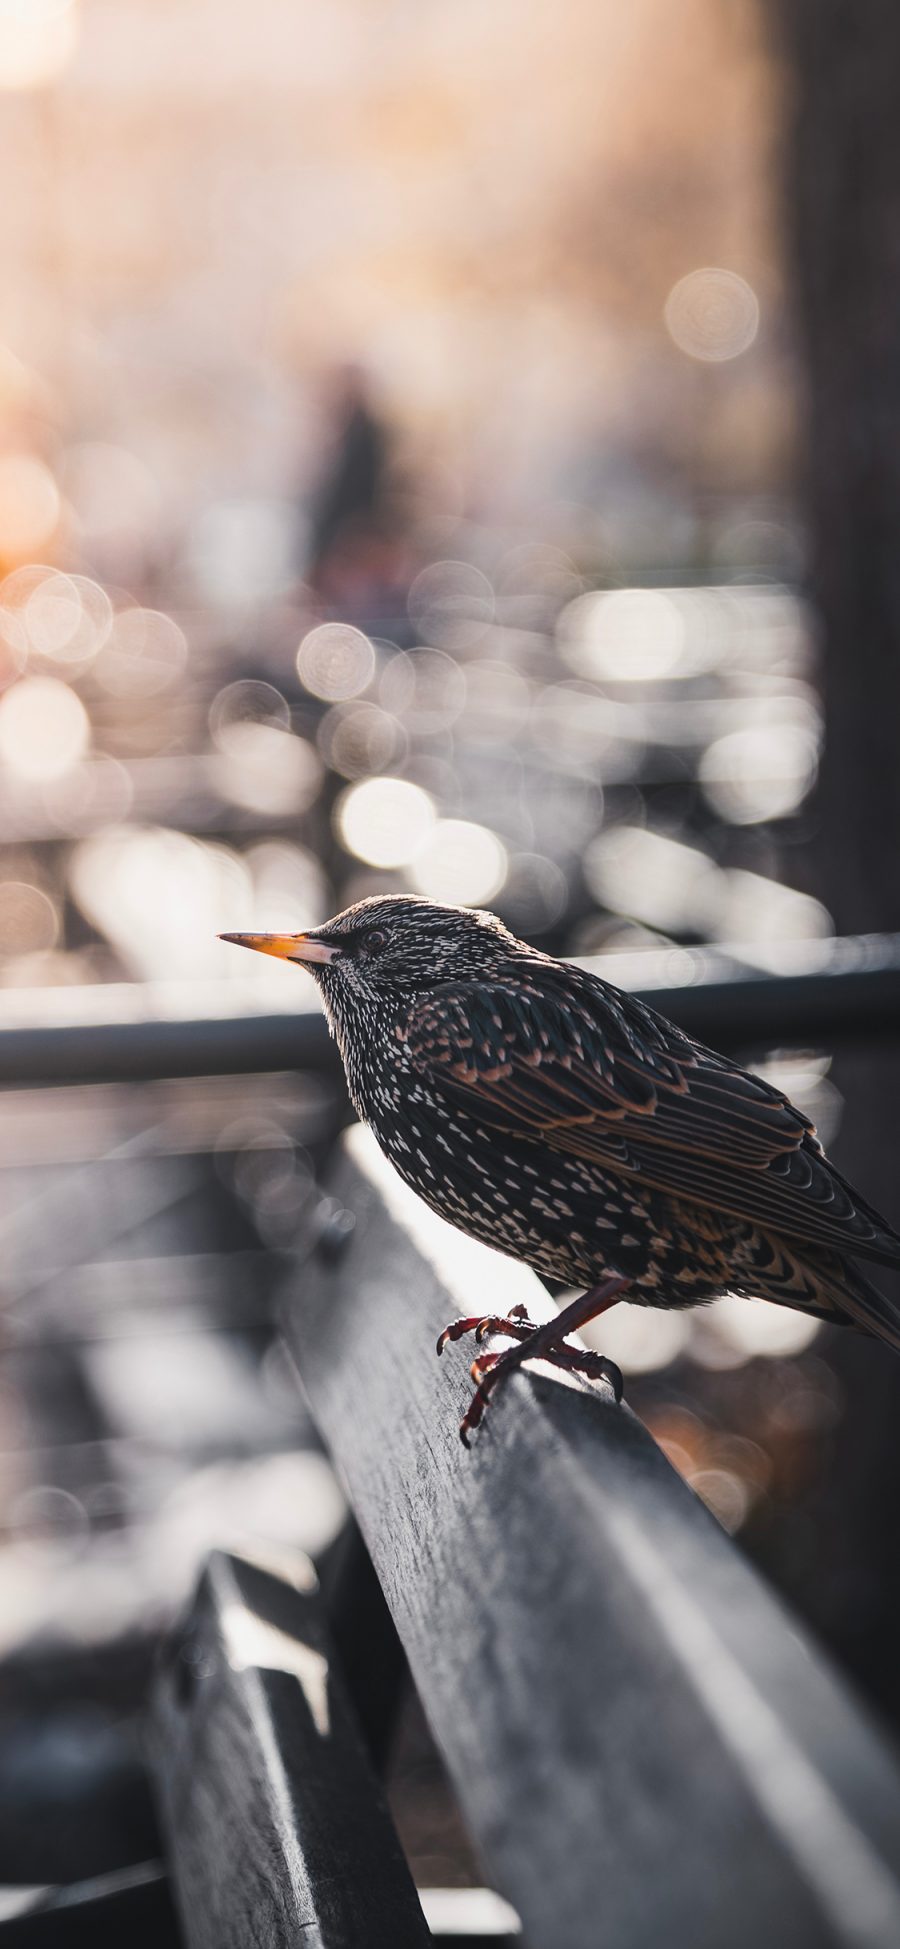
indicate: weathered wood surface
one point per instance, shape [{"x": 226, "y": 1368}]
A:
[
  {"x": 275, "y": 1827},
  {"x": 645, "y": 1745}
]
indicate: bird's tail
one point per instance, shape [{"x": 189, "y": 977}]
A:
[{"x": 852, "y": 1297}]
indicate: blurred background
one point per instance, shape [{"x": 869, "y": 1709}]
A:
[{"x": 449, "y": 449}]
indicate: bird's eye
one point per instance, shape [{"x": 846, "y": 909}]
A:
[{"x": 375, "y": 940}]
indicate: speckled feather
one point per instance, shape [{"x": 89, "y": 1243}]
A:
[{"x": 548, "y": 1114}]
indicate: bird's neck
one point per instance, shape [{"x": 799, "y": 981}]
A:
[{"x": 362, "y": 1026}]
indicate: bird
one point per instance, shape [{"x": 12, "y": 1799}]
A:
[{"x": 564, "y": 1122}]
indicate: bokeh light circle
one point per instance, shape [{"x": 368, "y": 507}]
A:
[
  {"x": 246, "y": 702},
  {"x": 461, "y": 863},
  {"x": 44, "y": 728},
  {"x": 385, "y": 821},
  {"x": 451, "y": 604},
  {"x": 623, "y": 635},
  {"x": 359, "y": 738},
  {"x": 712, "y": 315},
  {"x": 335, "y": 661},
  {"x": 68, "y": 618},
  {"x": 269, "y": 770},
  {"x": 763, "y": 772},
  {"x": 53, "y": 615}
]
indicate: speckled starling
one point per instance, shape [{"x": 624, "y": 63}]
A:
[{"x": 565, "y": 1123}]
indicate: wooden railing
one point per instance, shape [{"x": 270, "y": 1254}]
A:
[{"x": 645, "y": 1745}]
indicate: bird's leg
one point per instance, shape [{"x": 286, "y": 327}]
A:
[{"x": 544, "y": 1342}]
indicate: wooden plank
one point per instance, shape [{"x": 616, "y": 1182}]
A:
[
  {"x": 276, "y": 1829},
  {"x": 645, "y": 1746}
]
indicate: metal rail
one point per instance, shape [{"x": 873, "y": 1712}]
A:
[{"x": 845, "y": 992}]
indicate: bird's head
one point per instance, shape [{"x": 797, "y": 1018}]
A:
[{"x": 391, "y": 947}]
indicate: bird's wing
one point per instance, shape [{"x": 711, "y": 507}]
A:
[{"x": 555, "y": 1055}]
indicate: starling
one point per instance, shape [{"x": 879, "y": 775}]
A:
[{"x": 565, "y": 1123}]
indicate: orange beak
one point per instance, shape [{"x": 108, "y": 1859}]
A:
[{"x": 303, "y": 948}]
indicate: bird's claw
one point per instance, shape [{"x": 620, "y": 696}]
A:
[
  {"x": 483, "y": 1386},
  {"x": 613, "y": 1375},
  {"x": 490, "y": 1368},
  {"x": 515, "y": 1324}
]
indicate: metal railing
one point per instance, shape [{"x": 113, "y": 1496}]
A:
[{"x": 811, "y": 994}]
